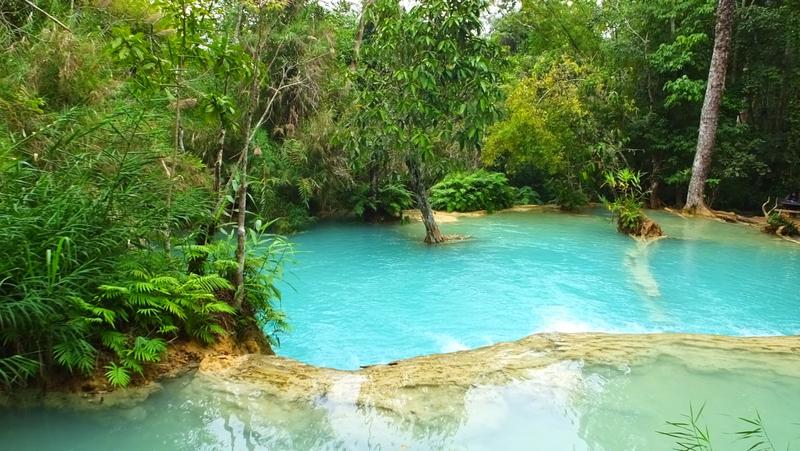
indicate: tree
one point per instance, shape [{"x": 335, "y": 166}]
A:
[
  {"x": 425, "y": 87},
  {"x": 709, "y": 116},
  {"x": 556, "y": 133},
  {"x": 253, "y": 122}
]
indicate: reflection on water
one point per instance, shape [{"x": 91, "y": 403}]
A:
[
  {"x": 637, "y": 259},
  {"x": 566, "y": 405}
]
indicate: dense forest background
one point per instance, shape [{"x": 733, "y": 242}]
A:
[{"x": 150, "y": 148}]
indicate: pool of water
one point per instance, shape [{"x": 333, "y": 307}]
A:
[
  {"x": 365, "y": 294},
  {"x": 562, "y": 406}
]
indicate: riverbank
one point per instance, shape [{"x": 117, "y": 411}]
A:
[
  {"x": 404, "y": 387},
  {"x": 759, "y": 222},
  {"x": 180, "y": 359}
]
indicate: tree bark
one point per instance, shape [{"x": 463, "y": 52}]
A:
[
  {"x": 366, "y": 4},
  {"x": 709, "y": 117},
  {"x": 654, "y": 201},
  {"x": 218, "y": 165},
  {"x": 432, "y": 233},
  {"x": 241, "y": 231}
]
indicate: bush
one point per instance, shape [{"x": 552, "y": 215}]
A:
[
  {"x": 85, "y": 282},
  {"x": 626, "y": 208},
  {"x": 527, "y": 196},
  {"x": 480, "y": 190},
  {"x": 777, "y": 223},
  {"x": 388, "y": 202},
  {"x": 265, "y": 254}
]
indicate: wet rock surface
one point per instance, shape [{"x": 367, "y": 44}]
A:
[{"x": 435, "y": 385}]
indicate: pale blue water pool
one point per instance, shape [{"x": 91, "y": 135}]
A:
[
  {"x": 369, "y": 294},
  {"x": 366, "y": 294}
]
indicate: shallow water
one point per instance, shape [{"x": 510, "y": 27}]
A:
[
  {"x": 366, "y": 294},
  {"x": 559, "y": 407}
]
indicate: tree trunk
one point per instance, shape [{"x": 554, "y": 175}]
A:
[
  {"x": 365, "y": 5},
  {"x": 240, "y": 229},
  {"x": 709, "y": 117},
  {"x": 212, "y": 225},
  {"x": 241, "y": 195},
  {"x": 654, "y": 201},
  {"x": 432, "y": 233}
]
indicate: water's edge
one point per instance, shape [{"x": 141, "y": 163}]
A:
[
  {"x": 400, "y": 386},
  {"x": 403, "y": 386}
]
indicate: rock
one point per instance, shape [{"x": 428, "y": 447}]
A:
[
  {"x": 650, "y": 229},
  {"x": 434, "y": 386}
]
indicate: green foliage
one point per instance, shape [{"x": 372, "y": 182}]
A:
[
  {"x": 778, "y": 222},
  {"x": 118, "y": 376},
  {"x": 67, "y": 219},
  {"x": 17, "y": 368},
  {"x": 426, "y": 89},
  {"x": 387, "y": 202},
  {"x": 553, "y": 128},
  {"x": 167, "y": 302},
  {"x": 527, "y": 196},
  {"x": 626, "y": 206},
  {"x": 645, "y": 65},
  {"x": 479, "y": 190},
  {"x": 690, "y": 434},
  {"x": 265, "y": 256}
]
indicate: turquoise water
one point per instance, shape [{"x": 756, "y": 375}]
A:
[
  {"x": 366, "y": 294},
  {"x": 561, "y": 407},
  {"x": 369, "y": 294}
]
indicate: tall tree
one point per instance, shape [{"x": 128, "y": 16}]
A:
[
  {"x": 425, "y": 87},
  {"x": 709, "y": 116}
]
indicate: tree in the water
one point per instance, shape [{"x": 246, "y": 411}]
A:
[
  {"x": 425, "y": 88},
  {"x": 709, "y": 116}
]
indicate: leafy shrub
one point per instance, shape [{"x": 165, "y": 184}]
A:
[
  {"x": 71, "y": 221},
  {"x": 387, "y": 202},
  {"x": 265, "y": 255},
  {"x": 776, "y": 222},
  {"x": 527, "y": 196},
  {"x": 627, "y": 212},
  {"x": 480, "y": 190},
  {"x": 567, "y": 196},
  {"x": 626, "y": 208}
]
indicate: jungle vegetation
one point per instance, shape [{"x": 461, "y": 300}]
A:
[{"x": 152, "y": 152}]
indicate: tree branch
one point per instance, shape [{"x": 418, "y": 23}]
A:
[{"x": 33, "y": 5}]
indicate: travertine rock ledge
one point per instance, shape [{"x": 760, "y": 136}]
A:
[{"x": 407, "y": 385}]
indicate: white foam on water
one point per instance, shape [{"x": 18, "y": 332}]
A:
[
  {"x": 566, "y": 326},
  {"x": 447, "y": 343},
  {"x": 453, "y": 345}
]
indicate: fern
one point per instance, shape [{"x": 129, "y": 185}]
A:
[
  {"x": 114, "y": 340},
  {"x": 16, "y": 368},
  {"x": 388, "y": 201},
  {"x": 76, "y": 354},
  {"x": 118, "y": 376},
  {"x": 148, "y": 349}
]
